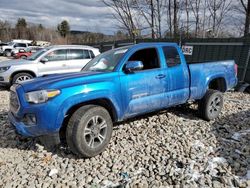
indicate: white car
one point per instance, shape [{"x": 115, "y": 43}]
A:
[{"x": 50, "y": 60}]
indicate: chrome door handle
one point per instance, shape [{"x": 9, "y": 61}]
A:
[{"x": 160, "y": 76}]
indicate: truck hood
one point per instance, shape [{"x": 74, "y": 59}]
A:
[
  {"x": 15, "y": 62},
  {"x": 59, "y": 81}
]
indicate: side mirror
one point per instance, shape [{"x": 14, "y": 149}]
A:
[
  {"x": 44, "y": 60},
  {"x": 132, "y": 66}
]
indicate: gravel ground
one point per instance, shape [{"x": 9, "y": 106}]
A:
[
  {"x": 2, "y": 58},
  {"x": 170, "y": 148}
]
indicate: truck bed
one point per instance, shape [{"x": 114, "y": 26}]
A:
[{"x": 201, "y": 73}]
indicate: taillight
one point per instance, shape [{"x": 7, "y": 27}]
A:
[{"x": 236, "y": 69}]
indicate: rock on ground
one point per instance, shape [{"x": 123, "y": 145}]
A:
[{"x": 163, "y": 149}]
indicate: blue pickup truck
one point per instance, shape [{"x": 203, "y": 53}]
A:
[{"x": 114, "y": 86}]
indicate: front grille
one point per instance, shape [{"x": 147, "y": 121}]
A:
[{"x": 14, "y": 103}]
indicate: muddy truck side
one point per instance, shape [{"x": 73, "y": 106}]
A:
[{"x": 116, "y": 85}]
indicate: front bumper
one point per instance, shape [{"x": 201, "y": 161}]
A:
[
  {"x": 21, "y": 127},
  {"x": 5, "y": 77},
  {"x": 45, "y": 115}
]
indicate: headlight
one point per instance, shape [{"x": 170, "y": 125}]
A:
[
  {"x": 41, "y": 96},
  {"x": 3, "y": 69}
]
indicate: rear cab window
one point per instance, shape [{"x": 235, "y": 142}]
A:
[{"x": 172, "y": 56}]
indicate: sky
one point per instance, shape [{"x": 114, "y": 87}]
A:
[{"x": 83, "y": 15}]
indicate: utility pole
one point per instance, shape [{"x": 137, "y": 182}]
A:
[
  {"x": 159, "y": 17},
  {"x": 175, "y": 19},
  {"x": 152, "y": 18}
]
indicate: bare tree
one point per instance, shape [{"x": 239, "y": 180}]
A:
[
  {"x": 170, "y": 17},
  {"x": 159, "y": 6},
  {"x": 195, "y": 7},
  {"x": 218, "y": 10},
  {"x": 5, "y": 31},
  {"x": 246, "y": 6},
  {"x": 187, "y": 17},
  {"x": 124, "y": 14},
  {"x": 175, "y": 20}
]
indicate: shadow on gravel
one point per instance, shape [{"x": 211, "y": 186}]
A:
[
  {"x": 184, "y": 111},
  {"x": 4, "y": 88}
]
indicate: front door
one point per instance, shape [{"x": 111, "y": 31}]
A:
[
  {"x": 144, "y": 90},
  {"x": 56, "y": 63}
]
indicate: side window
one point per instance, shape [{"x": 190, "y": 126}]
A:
[
  {"x": 149, "y": 58},
  {"x": 91, "y": 54},
  {"x": 86, "y": 54},
  {"x": 57, "y": 55},
  {"x": 172, "y": 56},
  {"x": 75, "y": 54},
  {"x": 20, "y": 45}
]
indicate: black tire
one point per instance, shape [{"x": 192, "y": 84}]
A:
[
  {"x": 210, "y": 105},
  {"x": 95, "y": 123},
  {"x": 7, "y": 53},
  {"x": 18, "y": 77}
]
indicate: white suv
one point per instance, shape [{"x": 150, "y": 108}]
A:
[{"x": 50, "y": 60}]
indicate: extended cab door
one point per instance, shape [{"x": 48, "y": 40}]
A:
[
  {"x": 177, "y": 76},
  {"x": 55, "y": 62},
  {"x": 144, "y": 90},
  {"x": 77, "y": 59}
]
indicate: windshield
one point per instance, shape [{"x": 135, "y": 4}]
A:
[
  {"x": 106, "y": 62},
  {"x": 11, "y": 43},
  {"x": 37, "y": 54}
]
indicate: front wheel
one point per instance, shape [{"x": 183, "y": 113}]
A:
[
  {"x": 89, "y": 131},
  {"x": 7, "y": 53},
  {"x": 21, "y": 77},
  {"x": 211, "y": 105}
]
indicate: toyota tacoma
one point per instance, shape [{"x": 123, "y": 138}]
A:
[{"x": 114, "y": 86}]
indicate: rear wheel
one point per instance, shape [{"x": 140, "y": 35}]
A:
[
  {"x": 211, "y": 105},
  {"x": 20, "y": 77},
  {"x": 89, "y": 130}
]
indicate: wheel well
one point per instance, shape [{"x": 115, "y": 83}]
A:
[
  {"x": 23, "y": 71},
  {"x": 218, "y": 84},
  {"x": 105, "y": 103}
]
